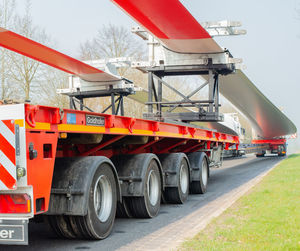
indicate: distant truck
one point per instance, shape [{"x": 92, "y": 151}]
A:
[
  {"x": 258, "y": 147},
  {"x": 231, "y": 120},
  {"x": 274, "y": 146}
]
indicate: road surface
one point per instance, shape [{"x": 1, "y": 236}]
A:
[{"x": 233, "y": 174}]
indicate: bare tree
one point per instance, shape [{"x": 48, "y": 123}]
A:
[
  {"x": 28, "y": 79},
  {"x": 52, "y": 79},
  {"x": 112, "y": 41},
  {"x": 7, "y": 12},
  {"x": 23, "y": 70}
]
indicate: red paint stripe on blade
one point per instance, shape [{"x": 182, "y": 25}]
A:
[
  {"x": 167, "y": 19},
  {"x": 6, "y": 178},
  {"x": 172, "y": 23},
  {"x": 46, "y": 55}
]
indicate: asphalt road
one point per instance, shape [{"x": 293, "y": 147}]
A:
[{"x": 234, "y": 173}]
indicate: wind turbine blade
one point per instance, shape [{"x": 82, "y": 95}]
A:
[
  {"x": 172, "y": 24},
  {"x": 46, "y": 55}
]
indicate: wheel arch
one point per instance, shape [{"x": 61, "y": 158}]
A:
[
  {"x": 132, "y": 173},
  {"x": 170, "y": 164},
  {"x": 71, "y": 181},
  {"x": 195, "y": 159}
]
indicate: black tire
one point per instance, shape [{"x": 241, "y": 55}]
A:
[
  {"x": 282, "y": 154},
  {"x": 123, "y": 211},
  {"x": 95, "y": 208},
  {"x": 60, "y": 224},
  {"x": 262, "y": 154},
  {"x": 179, "y": 194},
  {"x": 143, "y": 207},
  {"x": 200, "y": 162},
  {"x": 97, "y": 226},
  {"x": 75, "y": 222}
]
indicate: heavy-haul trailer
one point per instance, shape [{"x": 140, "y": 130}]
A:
[
  {"x": 258, "y": 147},
  {"x": 74, "y": 166},
  {"x": 274, "y": 146},
  {"x": 80, "y": 168}
]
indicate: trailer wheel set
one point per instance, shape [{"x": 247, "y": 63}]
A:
[{"x": 135, "y": 184}]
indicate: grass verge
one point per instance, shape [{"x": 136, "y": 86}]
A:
[{"x": 267, "y": 218}]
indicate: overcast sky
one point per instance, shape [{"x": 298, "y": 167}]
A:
[{"x": 270, "y": 50}]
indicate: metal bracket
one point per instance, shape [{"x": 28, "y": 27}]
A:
[
  {"x": 159, "y": 55},
  {"x": 79, "y": 89},
  {"x": 163, "y": 62},
  {"x": 214, "y": 28},
  {"x": 208, "y": 110},
  {"x": 223, "y": 28}
]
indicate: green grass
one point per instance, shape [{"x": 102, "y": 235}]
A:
[{"x": 267, "y": 218}]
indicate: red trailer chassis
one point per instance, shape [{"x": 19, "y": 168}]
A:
[
  {"x": 46, "y": 125},
  {"x": 276, "y": 146},
  {"x": 46, "y": 135}
]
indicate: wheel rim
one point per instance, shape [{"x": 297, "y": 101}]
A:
[
  {"x": 204, "y": 173},
  {"x": 183, "y": 179},
  {"x": 103, "y": 198},
  {"x": 153, "y": 188}
]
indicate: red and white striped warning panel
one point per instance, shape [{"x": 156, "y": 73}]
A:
[
  {"x": 8, "y": 174},
  {"x": 293, "y": 136}
]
